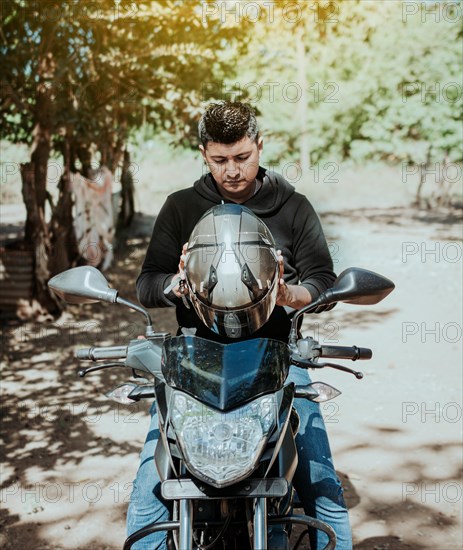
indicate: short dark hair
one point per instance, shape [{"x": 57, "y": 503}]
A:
[{"x": 227, "y": 122}]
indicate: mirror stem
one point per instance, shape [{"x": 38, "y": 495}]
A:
[
  {"x": 131, "y": 305},
  {"x": 307, "y": 309}
]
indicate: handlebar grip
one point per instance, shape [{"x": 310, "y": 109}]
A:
[
  {"x": 345, "y": 352},
  {"x": 365, "y": 353},
  {"x": 109, "y": 352}
]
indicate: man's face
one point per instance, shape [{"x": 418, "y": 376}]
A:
[{"x": 234, "y": 167}]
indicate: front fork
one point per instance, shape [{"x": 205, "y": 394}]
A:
[
  {"x": 260, "y": 524},
  {"x": 186, "y": 524}
]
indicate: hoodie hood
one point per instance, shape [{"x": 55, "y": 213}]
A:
[{"x": 274, "y": 192}]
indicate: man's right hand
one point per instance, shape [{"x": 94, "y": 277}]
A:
[{"x": 180, "y": 289}]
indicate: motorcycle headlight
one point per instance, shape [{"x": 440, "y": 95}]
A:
[{"x": 222, "y": 448}]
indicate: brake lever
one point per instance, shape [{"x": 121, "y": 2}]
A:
[
  {"x": 83, "y": 372},
  {"x": 313, "y": 365},
  {"x": 356, "y": 373}
]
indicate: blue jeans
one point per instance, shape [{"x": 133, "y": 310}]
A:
[{"x": 316, "y": 482}]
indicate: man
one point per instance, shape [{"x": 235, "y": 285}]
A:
[{"x": 231, "y": 148}]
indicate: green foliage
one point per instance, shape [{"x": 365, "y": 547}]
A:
[
  {"x": 379, "y": 82},
  {"x": 106, "y": 68}
]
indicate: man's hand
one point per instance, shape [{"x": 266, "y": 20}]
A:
[
  {"x": 180, "y": 289},
  {"x": 295, "y": 296}
]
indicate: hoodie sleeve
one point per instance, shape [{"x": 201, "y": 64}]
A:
[
  {"x": 312, "y": 257},
  {"x": 162, "y": 259}
]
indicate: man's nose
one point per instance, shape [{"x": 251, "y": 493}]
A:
[{"x": 232, "y": 168}]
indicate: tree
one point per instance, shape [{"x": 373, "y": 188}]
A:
[
  {"x": 79, "y": 77},
  {"x": 358, "y": 80}
]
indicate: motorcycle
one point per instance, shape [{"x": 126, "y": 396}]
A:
[{"x": 226, "y": 456}]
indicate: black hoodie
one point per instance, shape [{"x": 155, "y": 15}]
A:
[{"x": 291, "y": 220}]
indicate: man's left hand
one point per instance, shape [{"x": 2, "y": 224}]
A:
[{"x": 295, "y": 296}]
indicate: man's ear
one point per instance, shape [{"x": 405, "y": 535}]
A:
[
  {"x": 203, "y": 152},
  {"x": 260, "y": 144}
]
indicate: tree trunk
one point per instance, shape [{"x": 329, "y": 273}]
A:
[
  {"x": 37, "y": 238},
  {"x": 423, "y": 171},
  {"x": 37, "y": 174},
  {"x": 85, "y": 156},
  {"x": 64, "y": 245},
  {"x": 127, "y": 210},
  {"x": 445, "y": 185},
  {"x": 34, "y": 187}
]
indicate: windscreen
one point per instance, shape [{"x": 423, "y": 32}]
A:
[{"x": 225, "y": 375}]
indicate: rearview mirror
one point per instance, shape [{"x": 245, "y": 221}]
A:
[
  {"x": 359, "y": 286},
  {"x": 354, "y": 286},
  {"x": 82, "y": 285}
]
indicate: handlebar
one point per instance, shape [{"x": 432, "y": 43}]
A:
[
  {"x": 345, "y": 352},
  {"x": 308, "y": 351},
  {"x": 106, "y": 353}
]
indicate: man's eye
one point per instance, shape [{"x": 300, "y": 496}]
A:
[
  {"x": 219, "y": 161},
  {"x": 242, "y": 159}
]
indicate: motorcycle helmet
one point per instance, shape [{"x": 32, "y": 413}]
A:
[{"x": 232, "y": 270}]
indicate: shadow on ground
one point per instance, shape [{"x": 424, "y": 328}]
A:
[{"x": 40, "y": 428}]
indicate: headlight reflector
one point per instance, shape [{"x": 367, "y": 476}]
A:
[{"x": 222, "y": 448}]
